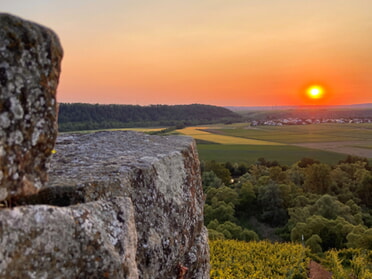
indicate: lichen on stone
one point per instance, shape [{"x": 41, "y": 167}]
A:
[{"x": 30, "y": 61}]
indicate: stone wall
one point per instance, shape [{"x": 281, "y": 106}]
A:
[{"x": 117, "y": 204}]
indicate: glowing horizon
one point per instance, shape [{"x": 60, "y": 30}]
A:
[{"x": 229, "y": 53}]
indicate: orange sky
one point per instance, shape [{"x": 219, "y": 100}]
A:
[{"x": 222, "y": 52}]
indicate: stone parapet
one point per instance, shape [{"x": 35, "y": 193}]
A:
[{"x": 136, "y": 200}]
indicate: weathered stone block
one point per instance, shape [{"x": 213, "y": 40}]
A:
[
  {"x": 125, "y": 197},
  {"x": 30, "y": 58}
]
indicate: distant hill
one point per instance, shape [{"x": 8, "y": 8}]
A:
[
  {"x": 305, "y": 112},
  {"x": 261, "y": 108},
  {"x": 80, "y": 116}
]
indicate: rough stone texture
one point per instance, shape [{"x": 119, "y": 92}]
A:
[
  {"x": 93, "y": 240},
  {"x": 30, "y": 57},
  {"x": 131, "y": 207}
]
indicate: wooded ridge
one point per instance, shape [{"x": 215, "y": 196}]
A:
[{"x": 80, "y": 116}]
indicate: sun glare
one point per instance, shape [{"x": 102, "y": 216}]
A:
[{"x": 315, "y": 92}]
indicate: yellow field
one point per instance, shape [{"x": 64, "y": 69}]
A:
[
  {"x": 231, "y": 259},
  {"x": 144, "y": 130},
  {"x": 197, "y": 133}
]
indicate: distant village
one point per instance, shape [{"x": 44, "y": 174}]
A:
[{"x": 300, "y": 121}]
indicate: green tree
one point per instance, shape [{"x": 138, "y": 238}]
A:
[
  {"x": 325, "y": 206},
  {"x": 210, "y": 179},
  {"x": 271, "y": 204},
  {"x": 221, "y": 172},
  {"x": 318, "y": 179},
  {"x": 329, "y": 207},
  {"x": 314, "y": 243},
  {"x": 360, "y": 237},
  {"x": 297, "y": 175},
  {"x": 332, "y": 232},
  {"x": 247, "y": 194},
  {"x": 231, "y": 230},
  {"x": 364, "y": 189},
  {"x": 223, "y": 193},
  {"x": 278, "y": 175},
  {"x": 215, "y": 235},
  {"x": 305, "y": 162},
  {"x": 247, "y": 197},
  {"x": 220, "y": 211},
  {"x": 350, "y": 159}
]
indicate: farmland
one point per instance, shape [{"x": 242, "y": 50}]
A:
[
  {"x": 198, "y": 133},
  {"x": 284, "y": 154},
  {"x": 238, "y": 259},
  {"x": 301, "y": 133},
  {"x": 327, "y": 143}
]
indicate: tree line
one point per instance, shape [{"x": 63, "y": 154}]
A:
[
  {"x": 322, "y": 206},
  {"x": 80, "y": 116},
  {"x": 320, "y": 113}
]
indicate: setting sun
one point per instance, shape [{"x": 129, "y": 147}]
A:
[{"x": 315, "y": 92}]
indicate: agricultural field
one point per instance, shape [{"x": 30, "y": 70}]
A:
[
  {"x": 231, "y": 259},
  {"x": 239, "y": 259},
  {"x": 199, "y": 133},
  {"x": 284, "y": 154},
  {"x": 327, "y": 143},
  {"x": 295, "y": 134}
]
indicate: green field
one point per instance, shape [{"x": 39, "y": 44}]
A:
[
  {"x": 327, "y": 143},
  {"x": 249, "y": 154},
  {"x": 300, "y": 133},
  {"x": 199, "y": 134}
]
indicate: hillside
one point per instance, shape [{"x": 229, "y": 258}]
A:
[
  {"x": 306, "y": 113},
  {"x": 79, "y": 116}
]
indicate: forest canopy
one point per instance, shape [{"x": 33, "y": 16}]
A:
[
  {"x": 322, "y": 206},
  {"x": 79, "y": 116}
]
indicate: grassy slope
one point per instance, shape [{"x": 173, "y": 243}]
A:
[{"x": 284, "y": 154}]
